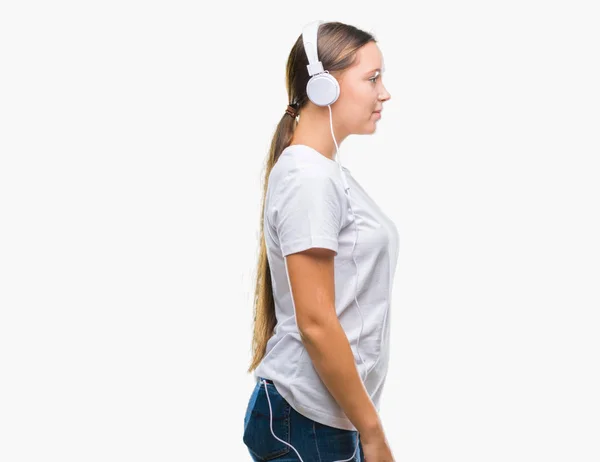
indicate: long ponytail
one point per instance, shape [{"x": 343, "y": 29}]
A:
[{"x": 264, "y": 304}]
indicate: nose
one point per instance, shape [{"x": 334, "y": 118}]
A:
[{"x": 385, "y": 95}]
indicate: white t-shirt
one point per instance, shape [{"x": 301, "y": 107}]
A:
[{"x": 306, "y": 207}]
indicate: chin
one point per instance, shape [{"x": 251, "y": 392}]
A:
[{"x": 367, "y": 129}]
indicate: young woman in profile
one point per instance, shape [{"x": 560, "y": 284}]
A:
[{"x": 326, "y": 266}]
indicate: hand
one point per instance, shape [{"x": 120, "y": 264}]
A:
[{"x": 377, "y": 449}]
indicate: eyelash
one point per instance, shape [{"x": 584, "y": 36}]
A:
[{"x": 373, "y": 79}]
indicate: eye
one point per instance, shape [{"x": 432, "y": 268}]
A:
[{"x": 374, "y": 79}]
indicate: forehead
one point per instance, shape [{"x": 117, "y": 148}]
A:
[{"x": 368, "y": 57}]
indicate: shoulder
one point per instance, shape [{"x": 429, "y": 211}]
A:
[{"x": 298, "y": 166}]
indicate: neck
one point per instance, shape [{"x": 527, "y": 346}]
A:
[{"x": 314, "y": 130}]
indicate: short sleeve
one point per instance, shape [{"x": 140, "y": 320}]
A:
[{"x": 307, "y": 210}]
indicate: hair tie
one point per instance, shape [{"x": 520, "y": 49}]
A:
[{"x": 292, "y": 110}]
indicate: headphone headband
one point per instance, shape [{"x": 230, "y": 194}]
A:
[
  {"x": 322, "y": 87},
  {"x": 309, "y": 37}
]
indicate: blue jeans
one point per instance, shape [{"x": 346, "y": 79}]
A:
[{"x": 315, "y": 442}]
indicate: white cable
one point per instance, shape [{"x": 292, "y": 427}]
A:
[
  {"x": 271, "y": 421},
  {"x": 284, "y": 442},
  {"x": 353, "y": 246},
  {"x": 355, "y": 299},
  {"x": 337, "y": 156}
]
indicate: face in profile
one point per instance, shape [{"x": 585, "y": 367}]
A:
[{"x": 362, "y": 92}]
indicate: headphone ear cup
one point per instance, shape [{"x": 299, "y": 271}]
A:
[{"x": 323, "y": 89}]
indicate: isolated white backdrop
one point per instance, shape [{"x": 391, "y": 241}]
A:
[{"x": 132, "y": 140}]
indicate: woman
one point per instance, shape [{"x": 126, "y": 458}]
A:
[{"x": 327, "y": 261}]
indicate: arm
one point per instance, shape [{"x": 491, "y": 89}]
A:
[{"x": 311, "y": 275}]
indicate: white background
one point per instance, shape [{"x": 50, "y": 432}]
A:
[{"x": 133, "y": 137}]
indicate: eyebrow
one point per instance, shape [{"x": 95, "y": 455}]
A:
[{"x": 380, "y": 71}]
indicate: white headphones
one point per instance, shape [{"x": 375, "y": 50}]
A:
[{"x": 322, "y": 88}]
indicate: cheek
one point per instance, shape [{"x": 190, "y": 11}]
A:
[
  {"x": 364, "y": 100},
  {"x": 355, "y": 105},
  {"x": 353, "y": 95}
]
